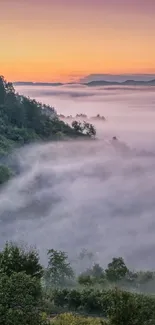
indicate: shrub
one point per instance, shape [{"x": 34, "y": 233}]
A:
[
  {"x": 20, "y": 300},
  {"x": 70, "y": 319},
  {"x": 121, "y": 307}
]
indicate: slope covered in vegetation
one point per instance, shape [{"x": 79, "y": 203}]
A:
[{"x": 24, "y": 120}]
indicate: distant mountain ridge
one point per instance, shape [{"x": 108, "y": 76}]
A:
[
  {"x": 124, "y": 83},
  {"x": 30, "y": 83},
  {"x": 117, "y": 77},
  {"x": 91, "y": 83}
]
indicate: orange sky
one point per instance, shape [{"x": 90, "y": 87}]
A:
[{"x": 46, "y": 40}]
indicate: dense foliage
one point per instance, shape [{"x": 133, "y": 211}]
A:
[
  {"x": 16, "y": 259},
  {"x": 21, "y": 296},
  {"x": 24, "y": 120},
  {"x": 20, "y": 300},
  {"x": 121, "y": 307},
  {"x": 111, "y": 294},
  {"x": 29, "y": 293}
]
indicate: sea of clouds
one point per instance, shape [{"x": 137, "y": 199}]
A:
[{"x": 97, "y": 194}]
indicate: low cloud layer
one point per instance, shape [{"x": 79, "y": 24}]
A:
[
  {"x": 97, "y": 195},
  {"x": 81, "y": 92}
]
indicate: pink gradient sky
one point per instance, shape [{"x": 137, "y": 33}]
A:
[{"x": 54, "y": 39}]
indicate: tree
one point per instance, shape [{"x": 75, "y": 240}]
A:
[
  {"x": 9, "y": 88},
  {"x": 86, "y": 259},
  {"x": 85, "y": 128},
  {"x": 17, "y": 259},
  {"x": 77, "y": 126},
  {"x": 5, "y": 174},
  {"x": 5, "y": 89},
  {"x": 89, "y": 129},
  {"x": 15, "y": 111},
  {"x": 59, "y": 269},
  {"x": 92, "y": 275},
  {"x": 85, "y": 279},
  {"x": 33, "y": 113},
  {"x": 97, "y": 271},
  {"x": 116, "y": 270},
  {"x": 2, "y": 90},
  {"x": 20, "y": 300}
]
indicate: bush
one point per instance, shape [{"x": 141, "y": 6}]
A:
[
  {"x": 131, "y": 309},
  {"x": 20, "y": 300},
  {"x": 85, "y": 280},
  {"x": 121, "y": 307},
  {"x": 70, "y": 319}
]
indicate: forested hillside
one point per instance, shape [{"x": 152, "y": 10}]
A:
[{"x": 24, "y": 120}]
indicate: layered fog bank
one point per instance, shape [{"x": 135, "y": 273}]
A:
[
  {"x": 70, "y": 196},
  {"x": 97, "y": 194},
  {"x": 129, "y": 111}
]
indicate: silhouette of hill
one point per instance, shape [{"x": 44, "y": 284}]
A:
[
  {"x": 91, "y": 83},
  {"x": 124, "y": 83},
  {"x": 117, "y": 77},
  {"x": 29, "y": 83}
]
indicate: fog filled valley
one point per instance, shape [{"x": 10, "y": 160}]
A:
[
  {"x": 97, "y": 194},
  {"x": 77, "y": 205},
  {"x": 129, "y": 111},
  {"x": 70, "y": 196}
]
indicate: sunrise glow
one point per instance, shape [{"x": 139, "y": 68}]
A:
[{"x": 46, "y": 40}]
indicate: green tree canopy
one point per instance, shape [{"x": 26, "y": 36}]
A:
[
  {"x": 14, "y": 258},
  {"x": 85, "y": 128},
  {"x": 116, "y": 270},
  {"x": 59, "y": 269}
]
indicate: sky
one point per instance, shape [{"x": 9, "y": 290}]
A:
[{"x": 64, "y": 40}]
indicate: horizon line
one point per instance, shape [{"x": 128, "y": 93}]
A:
[{"x": 87, "y": 76}]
